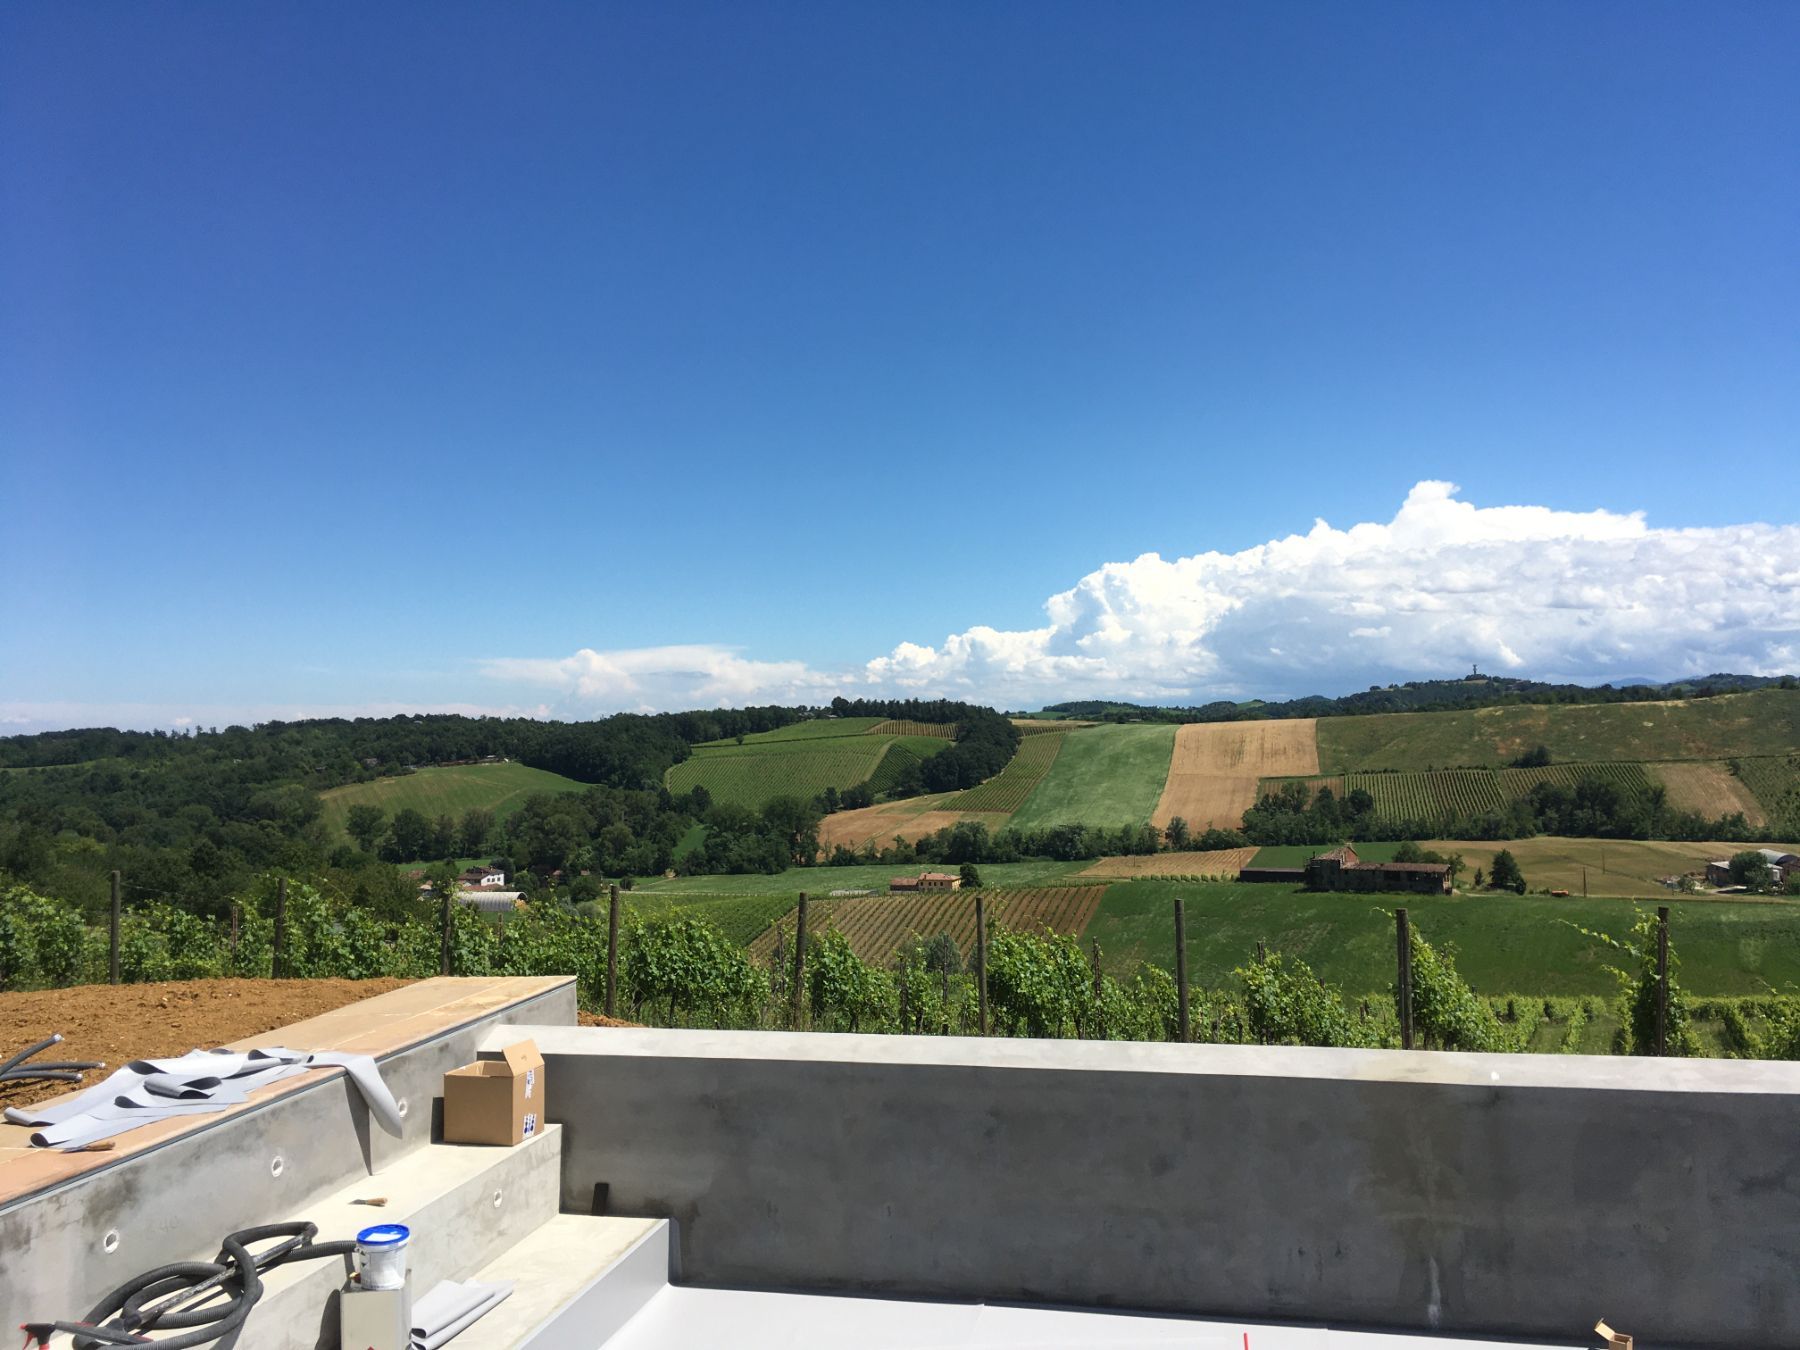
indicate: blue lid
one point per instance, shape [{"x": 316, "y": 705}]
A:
[{"x": 383, "y": 1235}]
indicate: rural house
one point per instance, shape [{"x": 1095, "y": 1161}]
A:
[
  {"x": 927, "y": 881},
  {"x": 1783, "y": 868},
  {"x": 1342, "y": 870},
  {"x": 481, "y": 876}
]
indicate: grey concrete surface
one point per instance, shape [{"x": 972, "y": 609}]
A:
[
  {"x": 446, "y": 1194},
  {"x": 1485, "y": 1195},
  {"x": 174, "y": 1202}
]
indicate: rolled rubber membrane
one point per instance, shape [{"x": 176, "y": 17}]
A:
[{"x": 199, "y": 1082}]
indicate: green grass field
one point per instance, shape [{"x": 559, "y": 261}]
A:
[
  {"x": 801, "y": 761},
  {"x": 501, "y": 788},
  {"x": 752, "y": 779},
  {"x": 1107, "y": 775},
  {"x": 1504, "y": 944},
  {"x": 820, "y": 880},
  {"x": 1766, "y": 722}
]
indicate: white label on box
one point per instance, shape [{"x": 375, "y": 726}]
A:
[
  {"x": 530, "y": 1082},
  {"x": 530, "y": 1123}
]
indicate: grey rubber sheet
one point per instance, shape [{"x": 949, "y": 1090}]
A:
[
  {"x": 199, "y": 1082},
  {"x": 451, "y": 1307}
]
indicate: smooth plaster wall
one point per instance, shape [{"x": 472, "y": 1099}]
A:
[{"x": 1508, "y": 1195}]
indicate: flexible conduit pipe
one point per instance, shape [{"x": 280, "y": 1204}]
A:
[{"x": 203, "y": 1302}]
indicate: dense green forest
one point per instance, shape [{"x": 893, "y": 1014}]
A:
[
  {"x": 1472, "y": 691},
  {"x": 192, "y": 819}
]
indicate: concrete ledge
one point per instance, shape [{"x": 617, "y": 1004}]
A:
[
  {"x": 1497, "y": 1195},
  {"x": 210, "y": 1175}
]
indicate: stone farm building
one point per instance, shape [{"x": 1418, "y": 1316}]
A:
[
  {"x": 1783, "y": 868},
  {"x": 1342, "y": 870},
  {"x": 927, "y": 881}
]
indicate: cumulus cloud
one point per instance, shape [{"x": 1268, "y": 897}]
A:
[
  {"x": 1445, "y": 584},
  {"x": 649, "y": 679},
  {"x": 1527, "y": 590}
]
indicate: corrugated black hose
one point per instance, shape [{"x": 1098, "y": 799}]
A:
[
  {"x": 16, "y": 1070},
  {"x": 204, "y": 1302}
]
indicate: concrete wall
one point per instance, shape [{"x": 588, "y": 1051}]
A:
[
  {"x": 1480, "y": 1193},
  {"x": 175, "y": 1202}
]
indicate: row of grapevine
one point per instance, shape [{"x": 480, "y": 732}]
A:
[
  {"x": 1449, "y": 794},
  {"x": 751, "y": 780},
  {"x": 1434, "y": 795},
  {"x": 900, "y": 726},
  {"x": 1629, "y": 779},
  {"x": 1774, "y": 780},
  {"x": 1008, "y": 789},
  {"x": 876, "y": 926}
]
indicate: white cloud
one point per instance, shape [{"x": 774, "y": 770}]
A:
[
  {"x": 1518, "y": 589},
  {"x": 1527, "y": 590},
  {"x": 648, "y": 679}
]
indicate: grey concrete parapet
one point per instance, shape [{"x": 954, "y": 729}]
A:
[
  {"x": 63, "y": 1247},
  {"x": 1483, "y": 1194}
]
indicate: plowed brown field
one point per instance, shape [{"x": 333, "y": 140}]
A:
[
  {"x": 1216, "y": 767},
  {"x": 878, "y": 925},
  {"x": 1708, "y": 788},
  {"x": 1216, "y": 862}
]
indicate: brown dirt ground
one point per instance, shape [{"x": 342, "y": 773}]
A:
[
  {"x": 117, "y": 1023},
  {"x": 588, "y": 1019},
  {"x": 1709, "y": 788},
  {"x": 1216, "y": 767},
  {"x": 1215, "y": 862}
]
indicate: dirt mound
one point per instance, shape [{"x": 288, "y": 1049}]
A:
[
  {"x": 1216, "y": 767},
  {"x": 118, "y": 1023}
]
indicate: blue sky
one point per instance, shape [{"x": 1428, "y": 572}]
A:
[{"x": 371, "y": 356}]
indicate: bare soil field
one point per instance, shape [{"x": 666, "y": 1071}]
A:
[
  {"x": 1215, "y": 862},
  {"x": 1217, "y": 765},
  {"x": 1709, "y": 788},
  {"x": 877, "y": 925},
  {"x": 115, "y": 1024}
]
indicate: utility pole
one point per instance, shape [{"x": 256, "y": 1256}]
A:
[
  {"x": 1662, "y": 979},
  {"x": 1181, "y": 980},
  {"x": 981, "y": 958},
  {"x": 1403, "y": 936},
  {"x": 112, "y": 964},
  {"x": 612, "y": 950},
  {"x": 279, "y": 964},
  {"x": 799, "y": 961}
]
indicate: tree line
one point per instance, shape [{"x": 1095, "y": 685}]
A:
[
  {"x": 1593, "y": 807},
  {"x": 1477, "y": 691}
]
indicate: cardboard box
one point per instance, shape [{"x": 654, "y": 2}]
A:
[{"x": 496, "y": 1101}]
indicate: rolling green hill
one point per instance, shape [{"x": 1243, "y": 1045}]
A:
[
  {"x": 1766, "y": 722},
  {"x": 1105, "y": 775},
  {"x": 501, "y": 788},
  {"x": 802, "y": 760}
]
